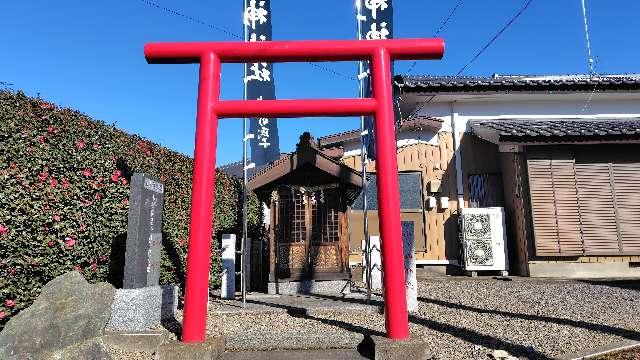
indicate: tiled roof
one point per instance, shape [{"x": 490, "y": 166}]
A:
[
  {"x": 413, "y": 123},
  {"x": 517, "y": 83},
  {"x": 557, "y": 130}
]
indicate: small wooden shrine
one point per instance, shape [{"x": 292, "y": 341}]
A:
[{"x": 307, "y": 193}]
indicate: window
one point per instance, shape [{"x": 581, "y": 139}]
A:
[{"x": 410, "y": 184}]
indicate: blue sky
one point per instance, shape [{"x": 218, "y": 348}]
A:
[{"x": 89, "y": 54}]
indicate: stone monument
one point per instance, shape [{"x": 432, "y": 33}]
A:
[
  {"x": 408, "y": 246},
  {"x": 144, "y": 232},
  {"x": 228, "y": 287},
  {"x": 142, "y": 303},
  {"x": 376, "y": 263}
]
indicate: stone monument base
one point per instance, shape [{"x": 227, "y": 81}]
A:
[
  {"x": 143, "y": 308},
  {"x": 310, "y": 287},
  {"x": 386, "y": 349}
]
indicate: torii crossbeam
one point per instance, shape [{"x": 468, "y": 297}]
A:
[{"x": 210, "y": 55}]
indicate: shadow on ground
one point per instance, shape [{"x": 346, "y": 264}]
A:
[
  {"x": 622, "y": 284},
  {"x": 365, "y": 347}
]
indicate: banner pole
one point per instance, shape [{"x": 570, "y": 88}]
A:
[
  {"x": 362, "y": 77},
  {"x": 243, "y": 287}
]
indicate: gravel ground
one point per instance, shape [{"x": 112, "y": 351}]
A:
[{"x": 461, "y": 318}]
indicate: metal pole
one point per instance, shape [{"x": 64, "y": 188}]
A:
[
  {"x": 202, "y": 199},
  {"x": 367, "y": 241},
  {"x": 395, "y": 301},
  {"x": 244, "y": 183},
  {"x": 363, "y": 158}
]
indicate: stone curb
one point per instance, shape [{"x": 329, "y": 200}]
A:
[
  {"x": 147, "y": 341},
  {"x": 212, "y": 348},
  {"x": 599, "y": 351}
]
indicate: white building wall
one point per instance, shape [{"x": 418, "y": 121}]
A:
[{"x": 571, "y": 106}]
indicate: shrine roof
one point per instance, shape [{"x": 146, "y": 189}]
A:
[{"x": 307, "y": 166}]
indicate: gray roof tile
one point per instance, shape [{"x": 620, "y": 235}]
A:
[{"x": 517, "y": 83}]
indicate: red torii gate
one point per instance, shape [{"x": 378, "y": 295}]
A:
[{"x": 210, "y": 55}]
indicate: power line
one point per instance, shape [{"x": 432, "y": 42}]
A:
[
  {"x": 191, "y": 19},
  {"x": 495, "y": 36},
  {"x": 485, "y": 47},
  {"x": 442, "y": 26},
  {"x": 229, "y": 33}
]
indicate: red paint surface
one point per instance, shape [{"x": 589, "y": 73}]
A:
[
  {"x": 210, "y": 108},
  {"x": 202, "y": 195}
]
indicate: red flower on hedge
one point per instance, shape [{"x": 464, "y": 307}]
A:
[
  {"x": 87, "y": 172},
  {"x": 50, "y": 243},
  {"x": 43, "y": 176},
  {"x": 80, "y": 145},
  {"x": 52, "y": 129},
  {"x": 78, "y": 268},
  {"x": 53, "y": 182},
  {"x": 116, "y": 176},
  {"x": 2, "y": 314},
  {"x": 65, "y": 183},
  {"x": 94, "y": 266},
  {"x": 182, "y": 242},
  {"x": 97, "y": 196},
  {"x": 3, "y": 229},
  {"x": 124, "y": 181},
  {"x": 125, "y": 201},
  {"x": 96, "y": 146},
  {"x": 41, "y": 139},
  {"x": 70, "y": 242},
  {"x": 9, "y": 303},
  {"x": 83, "y": 227},
  {"x": 56, "y": 217}
]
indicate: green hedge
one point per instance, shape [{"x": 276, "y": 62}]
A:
[{"x": 64, "y": 187}]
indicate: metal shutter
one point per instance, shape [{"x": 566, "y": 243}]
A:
[
  {"x": 599, "y": 228},
  {"x": 545, "y": 226},
  {"x": 626, "y": 183},
  {"x": 554, "y": 202},
  {"x": 567, "y": 209}
]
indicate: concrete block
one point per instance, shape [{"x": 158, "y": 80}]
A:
[
  {"x": 578, "y": 270},
  {"x": 387, "y": 349},
  {"x": 326, "y": 287},
  {"x": 211, "y": 348}
]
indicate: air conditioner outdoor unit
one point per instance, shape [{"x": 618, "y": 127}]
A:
[{"x": 483, "y": 239}]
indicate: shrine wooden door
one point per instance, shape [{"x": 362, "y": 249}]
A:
[{"x": 311, "y": 234}]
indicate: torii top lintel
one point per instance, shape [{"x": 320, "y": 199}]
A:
[{"x": 294, "y": 51}]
